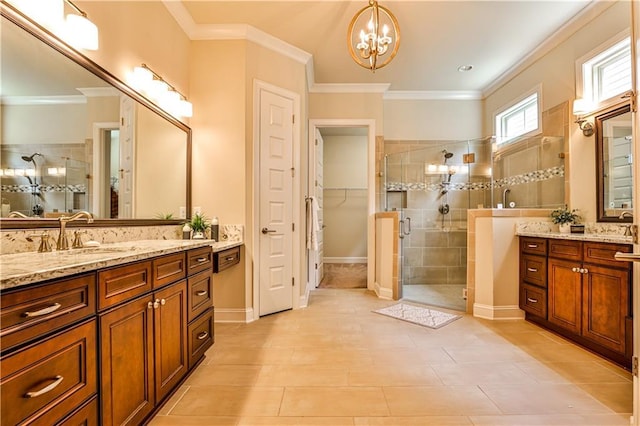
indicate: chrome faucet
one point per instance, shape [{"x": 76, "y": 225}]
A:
[
  {"x": 625, "y": 214},
  {"x": 17, "y": 214},
  {"x": 63, "y": 242},
  {"x": 504, "y": 197}
]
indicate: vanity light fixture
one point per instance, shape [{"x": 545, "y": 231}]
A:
[
  {"x": 152, "y": 85},
  {"x": 79, "y": 30},
  {"x": 581, "y": 107},
  {"x": 377, "y": 33}
]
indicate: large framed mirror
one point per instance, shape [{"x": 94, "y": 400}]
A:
[
  {"x": 74, "y": 137},
  {"x": 614, "y": 165}
]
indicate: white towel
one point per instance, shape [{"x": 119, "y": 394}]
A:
[{"x": 313, "y": 225}]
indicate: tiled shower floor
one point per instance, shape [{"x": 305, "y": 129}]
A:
[{"x": 443, "y": 295}]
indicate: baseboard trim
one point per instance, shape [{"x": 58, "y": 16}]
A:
[
  {"x": 344, "y": 259},
  {"x": 383, "y": 293},
  {"x": 507, "y": 312},
  {"x": 237, "y": 315}
]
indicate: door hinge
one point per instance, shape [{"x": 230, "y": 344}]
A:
[
  {"x": 634, "y": 366},
  {"x": 293, "y": 227},
  {"x": 293, "y": 282},
  {"x": 122, "y": 121},
  {"x": 316, "y": 266},
  {"x": 316, "y": 142},
  {"x": 293, "y": 172},
  {"x": 293, "y": 118}
]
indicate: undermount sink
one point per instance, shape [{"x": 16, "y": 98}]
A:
[{"x": 97, "y": 250}]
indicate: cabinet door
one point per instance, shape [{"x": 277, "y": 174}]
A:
[
  {"x": 170, "y": 323},
  {"x": 605, "y": 305},
  {"x": 564, "y": 294},
  {"x": 126, "y": 337}
]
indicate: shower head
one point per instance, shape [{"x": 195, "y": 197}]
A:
[
  {"x": 30, "y": 158},
  {"x": 447, "y": 154}
]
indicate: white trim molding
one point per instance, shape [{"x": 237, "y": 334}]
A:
[
  {"x": 422, "y": 95},
  {"x": 233, "y": 315},
  {"x": 507, "y": 312}
]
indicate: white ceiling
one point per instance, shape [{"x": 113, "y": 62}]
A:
[{"x": 437, "y": 36}]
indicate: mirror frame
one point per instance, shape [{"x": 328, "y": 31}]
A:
[
  {"x": 10, "y": 13},
  {"x": 599, "y": 124}
]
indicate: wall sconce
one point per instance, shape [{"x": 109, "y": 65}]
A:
[
  {"x": 76, "y": 29},
  {"x": 79, "y": 30},
  {"x": 581, "y": 107},
  {"x": 147, "y": 81}
]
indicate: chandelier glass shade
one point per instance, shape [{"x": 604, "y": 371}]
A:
[{"x": 373, "y": 36}]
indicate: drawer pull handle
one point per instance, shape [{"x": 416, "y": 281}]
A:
[
  {"x": 203, "y": 335},
  {"x": 45, "y": 389},
  {"x": 533, "y": 246},
  {"x": 230, "y": 258},
  {"x": 532, "y": 270},
  {"x": 202, "y": 259},
  {"x": 201, "y": 293},
  {"x": 532, "y": 300},
  {"x": 44, "y": 311}
]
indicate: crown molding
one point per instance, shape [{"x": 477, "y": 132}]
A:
[
  {"x": 451, "y": 95},
  {"x": 99, "y": 92},
  {"x": 349, "y": 88},
  {"x": 44, "y": 100},
  {"x": 587, "y": 14}
]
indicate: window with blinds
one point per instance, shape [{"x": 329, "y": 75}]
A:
[
  {"x": 517, "y": 119},
  {"x": 607, "y": 73}
]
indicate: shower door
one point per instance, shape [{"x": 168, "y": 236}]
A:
[{"x": 433, "y": 185}]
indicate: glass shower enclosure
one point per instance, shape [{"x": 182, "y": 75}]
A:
[{"x": 432, "y": 184}]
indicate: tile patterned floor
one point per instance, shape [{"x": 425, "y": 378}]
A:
[{"x": 337, "y": 363}]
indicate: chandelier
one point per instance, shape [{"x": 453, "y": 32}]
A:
[{"x": 378, "y": 34}]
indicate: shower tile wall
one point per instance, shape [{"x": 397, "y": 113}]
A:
[{"x": 436, "y": 250}]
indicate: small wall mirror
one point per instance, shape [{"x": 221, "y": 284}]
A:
[{"x": 614, "y": 165}]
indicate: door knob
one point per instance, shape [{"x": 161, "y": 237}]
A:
[{"x": 268, "y": 231}]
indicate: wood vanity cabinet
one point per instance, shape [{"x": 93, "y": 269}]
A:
[
  {"x": 146, "y": 342},
  {"x": 588, "y": 294},
  {"x": 105, "y": 347}
]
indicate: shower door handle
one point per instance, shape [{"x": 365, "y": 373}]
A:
[{"x": 408, "y": 230}]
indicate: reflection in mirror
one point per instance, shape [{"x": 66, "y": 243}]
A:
[
  {"x": 73, "y": 137},
  {"x": 614, "y": 158}
]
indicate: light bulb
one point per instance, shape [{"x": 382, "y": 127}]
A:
[{"x": 81, "y": 32}]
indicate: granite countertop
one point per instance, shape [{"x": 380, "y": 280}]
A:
[
  {"x": 28, "y": 268},
  {"x": 596, "y": 232},
  {"x": 600, "y": 238}
]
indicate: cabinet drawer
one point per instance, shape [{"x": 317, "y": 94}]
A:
[
  {"x": 121, "y": 283},
  {"x": 565, "y": 249},
  {"x": 87, "y": 415},
  {"x": 42, "y": 383},
  {"x": 28, "y": 313},
  {"x": 226, "y": 258},
  {"x": 533, "y": 245},
  {"x": 200, "y": 337},
  {"x": 533, "y": 269},
  {"x": 533, "y": 300},
  {"x": 169, "y": 269},
  {"x": 603, "y": 253},
  {"x": 199, "y": 260},
  {"x": 200, "y": 294}
]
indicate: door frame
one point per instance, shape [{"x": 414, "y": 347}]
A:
[
  {"x": 370, "y": 124},
  {"x": 99, "y": 166},
  {"x": 253, "y": 268}
]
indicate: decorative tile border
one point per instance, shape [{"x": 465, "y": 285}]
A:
[
  {"x": 43, "y": 188},
  {"x": 534, "y": 176}
]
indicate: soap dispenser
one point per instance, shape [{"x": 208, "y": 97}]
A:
[{"x": 214, "y": 229}]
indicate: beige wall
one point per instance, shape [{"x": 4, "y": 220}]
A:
[
  {"x": 345, "y": 211},
  {"x": 556, "y": 71},
  {"x": 432, "y": 119},
  {"x": 348, "y": 106},
  {"x": 136, "y": 32}
]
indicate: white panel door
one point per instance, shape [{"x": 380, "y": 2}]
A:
[
  {"x": 276, "y": 203},
  {"x": 319, "y": 191},
  {"x": 127, "y": 158}
]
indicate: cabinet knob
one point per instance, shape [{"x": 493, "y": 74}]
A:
[
  {"x": 156, "y": 303},
  {"x": 585, "y": 271},
  {"x": 150, "y": 305},
  {"x": 163, "y": 302},
  {"x": 575, "y": 269}
]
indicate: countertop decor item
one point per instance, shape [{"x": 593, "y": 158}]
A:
[
  {"x": 199, "y": 225},
  {"x": 563, "y": 217}
]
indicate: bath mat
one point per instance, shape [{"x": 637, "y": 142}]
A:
[{"x": 418, "y": 315}]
